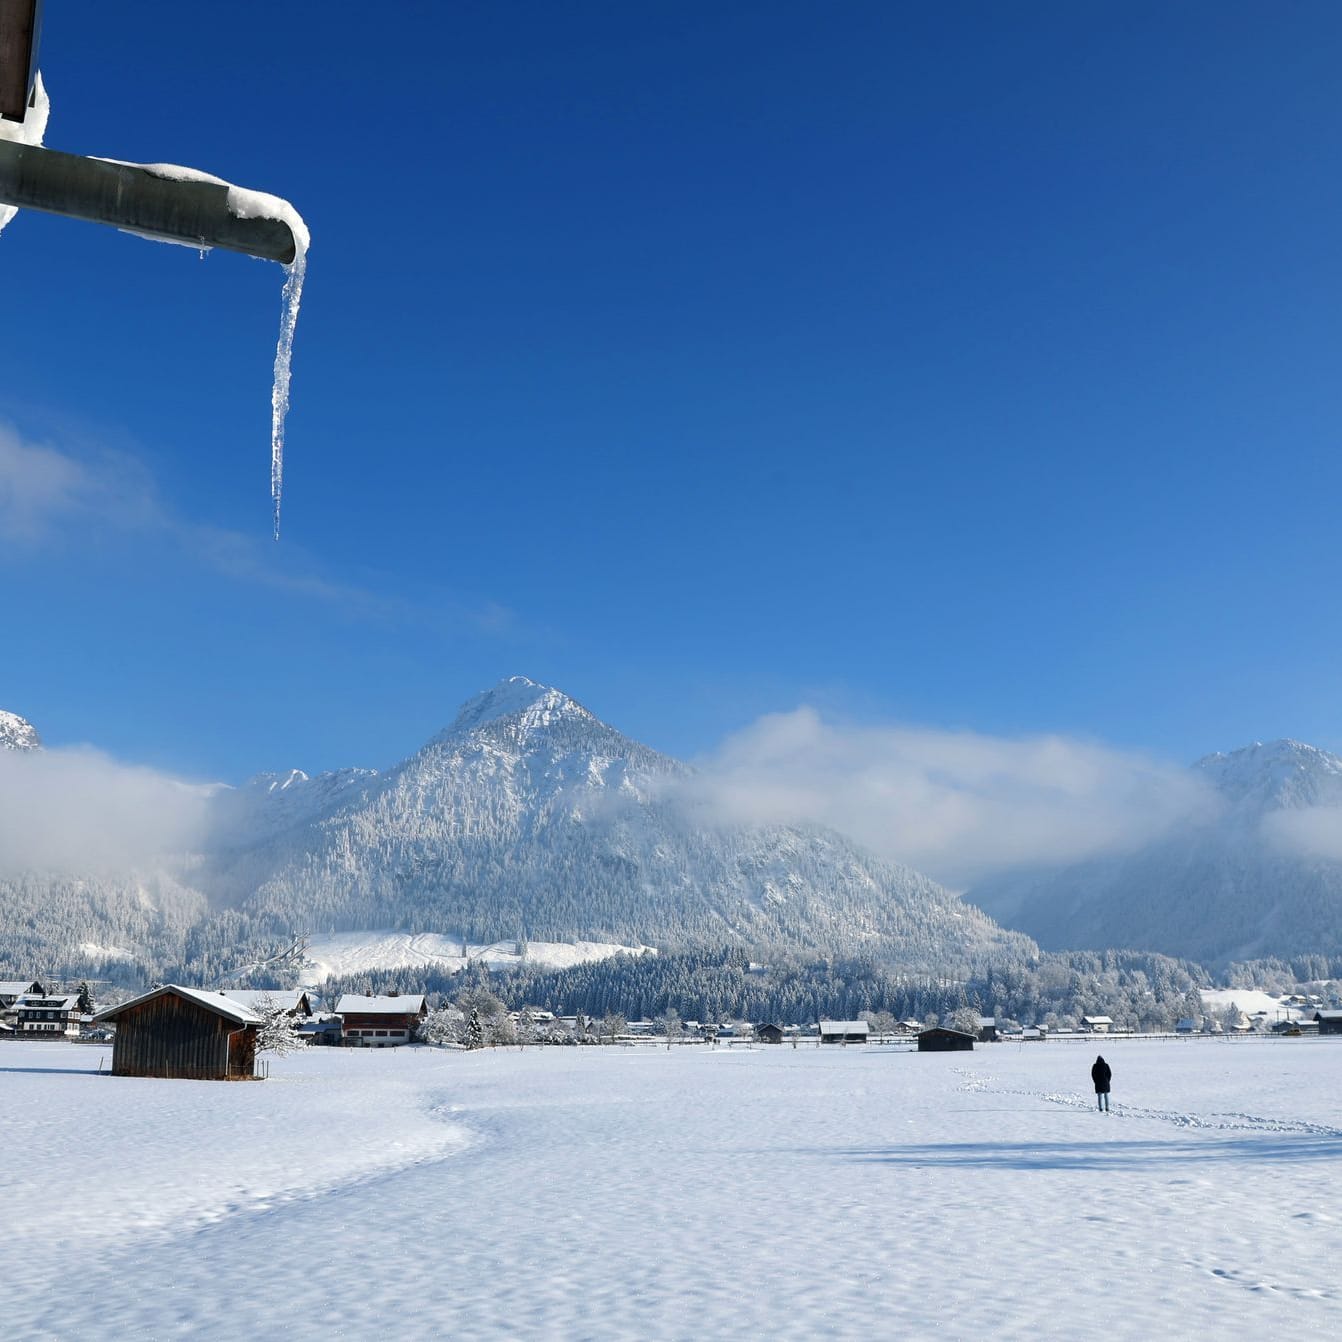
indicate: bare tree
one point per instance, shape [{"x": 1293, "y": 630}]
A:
[{"x": 669, "y": 1026}]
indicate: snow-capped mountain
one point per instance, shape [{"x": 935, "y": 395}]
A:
[
  {"x": 18, "y": 733},
  {"x": 1261, "y": 875},
  {"x": 529, "y": 818}
]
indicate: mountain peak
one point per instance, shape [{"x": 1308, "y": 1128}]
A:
[
  {"x": 17, "y": 733},
  {"x": 1275, "y": 774},
  {"x": 519, "y": 702}
]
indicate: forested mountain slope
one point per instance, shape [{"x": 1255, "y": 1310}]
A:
[{"x": 530, "y": 818}]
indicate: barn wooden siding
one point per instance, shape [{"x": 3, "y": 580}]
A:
[{"x": 170, "y": 1036}]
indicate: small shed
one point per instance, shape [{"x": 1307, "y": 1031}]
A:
[
  {"x": 768, "y": 1033},
  {"x": 987, "y": 1030},
  {"x": 844, "y": 1031},
  {"x": 943, "y": 1040},
  {"x": 179, "y": 1032},
  {"x": 1329, "y": 1022}
]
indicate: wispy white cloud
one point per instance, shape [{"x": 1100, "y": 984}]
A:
[
  {"x": 43, "y": 489},
  {"x": 957, "y": 805},
  {"x": 48, "y": 494},
  {"x": 79, "y": 811}
]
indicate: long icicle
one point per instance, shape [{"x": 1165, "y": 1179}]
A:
[{"x": 279, "y": 393}]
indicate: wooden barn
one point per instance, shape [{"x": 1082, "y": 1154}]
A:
[
  {"x": 183, "y": 1032},
  {"x": 942, "y": 1040},
  {"x": 1329, "y": 1022},
  {"x": 844, "y": 1031},
  {"x": 768, "y": 1033}
]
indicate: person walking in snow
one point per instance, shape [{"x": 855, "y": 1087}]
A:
[{"x": 1100, "y": 1074}]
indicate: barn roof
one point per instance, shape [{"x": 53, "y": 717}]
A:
[
  {"x": 17, "y": 987},
  {"x": 359, "y": 1004},
  {"x": 844, "y": 1027},
  {"x": 216, "y": 1002},
  {"x": 256, "y": 997}
]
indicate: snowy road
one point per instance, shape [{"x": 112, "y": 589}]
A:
[{"x": 635, "y": 1193}]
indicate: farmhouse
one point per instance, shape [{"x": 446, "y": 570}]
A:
[
  {"x": 380, "y": 1022},
  {"x": 1097, "y": 1024},
  {"x": 943, "y": 1040},
  {"x": 182, "y": 1032}
]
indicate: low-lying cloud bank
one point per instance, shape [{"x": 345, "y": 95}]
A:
[
  {"x": 1311, "y": 832},
  {"x": 956, "y": 805},
  {"x": 79, "y": 812}
]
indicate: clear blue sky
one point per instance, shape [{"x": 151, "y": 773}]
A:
[{"x": 962, "y": 364}]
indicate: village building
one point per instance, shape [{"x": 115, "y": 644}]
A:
[
  {"x": 940, "y": 1039},
  {"x": 844, "y": 1031},
  {"x": 1329, "y": 1022},
  {"x": 769, "y": 1033},
  {"x": 12, "y": 989},
  {"x": 182, "y": 1033},
  {"x": 40, "y": 1017},
  {"x": 380, "y": 1022},
  {"x": 292, "y": 1001},
  {"x": 319, "y": 1029},
  {"x": 1097, "y": 1024}
]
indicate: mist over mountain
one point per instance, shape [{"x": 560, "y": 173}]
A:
[
  {"x": 1258, "y": 875},
  {"x": 527, "y": 818}
]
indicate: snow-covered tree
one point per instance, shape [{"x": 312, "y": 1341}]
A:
[
  {"x": 499, "y": 1030},
  {"x": 475, "y": 1030},
  {"x": 278, "y": 1031},
  {"x": 444, "y": 1026}
]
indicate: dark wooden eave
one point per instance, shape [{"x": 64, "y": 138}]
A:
[{"x": 20, "y": 27}]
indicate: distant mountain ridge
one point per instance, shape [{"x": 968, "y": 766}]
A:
[{"x": 1230, "y": 887}]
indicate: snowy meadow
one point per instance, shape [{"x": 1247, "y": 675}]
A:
[{"x": 639, "y": 1193}]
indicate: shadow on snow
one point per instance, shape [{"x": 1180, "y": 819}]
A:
[{"x": 1095, "y": 1155}]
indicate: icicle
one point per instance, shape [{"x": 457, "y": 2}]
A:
[
  {"x": 279, "y": 394},
  {"x": 253, "y": 205}
]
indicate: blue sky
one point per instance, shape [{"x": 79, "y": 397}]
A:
[{"x": 967, "y": 366}]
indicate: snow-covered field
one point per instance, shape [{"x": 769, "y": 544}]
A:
[
  {"x": 341, "y": 953},
  {"x": 638, "y": 1193}
]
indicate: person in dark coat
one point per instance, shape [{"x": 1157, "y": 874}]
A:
[{"x": 1100, "y": 1075}]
